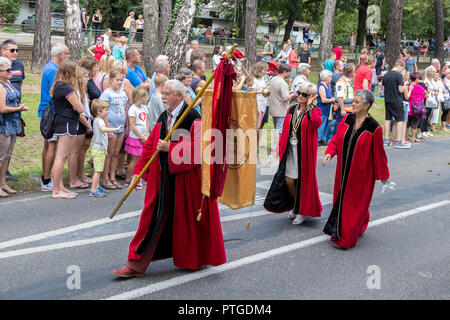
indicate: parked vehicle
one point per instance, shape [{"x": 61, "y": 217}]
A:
[
  {"x": 409, "y": 44},
  {"x": 56, "y": 23}
]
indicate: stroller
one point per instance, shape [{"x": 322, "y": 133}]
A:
[{"x": 273, "y": 68}]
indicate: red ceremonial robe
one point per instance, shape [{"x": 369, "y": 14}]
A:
[
  {"x": 168, "y": 225},
  {"x": 307, "y": 201},
  {"x": 361, "y": 159}
]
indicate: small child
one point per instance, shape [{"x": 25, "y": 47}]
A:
[
  {"x": 99, "y": 144},
  {"x": 248, "y": 83},
  {"x": 139, "y": 125},
  {"x": 117, "y": 98}
]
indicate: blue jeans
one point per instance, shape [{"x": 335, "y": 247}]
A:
[
  {"x": 278, "y": 124},
  {"x": 325, "y": 129}
]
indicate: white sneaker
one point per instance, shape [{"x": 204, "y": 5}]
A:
[
  {"x": 47, "y": 187},
  {"x": 425, "y": 134},
  {"x": 430, "y": 134}
]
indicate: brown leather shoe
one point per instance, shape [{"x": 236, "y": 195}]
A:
[{"x": 127, "y": 273}]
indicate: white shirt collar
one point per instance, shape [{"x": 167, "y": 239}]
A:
[{"x": 175, "y": 113}]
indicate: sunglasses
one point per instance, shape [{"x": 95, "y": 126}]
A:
[
  {"x": 7, "y": 70},
  {"x": 13, "y": 50},
  {"x": 303, "y": 94}
]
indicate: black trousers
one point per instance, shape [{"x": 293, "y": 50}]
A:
[{"x": 424, "y": 123}]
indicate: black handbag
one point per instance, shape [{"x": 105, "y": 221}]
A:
[{"x": 446, "y": 104}]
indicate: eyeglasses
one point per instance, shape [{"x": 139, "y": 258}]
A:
[
  {"x": 7, "y": 70},
  {"x": 303, "y": 94},
  {"x": 13, "y": 50}
]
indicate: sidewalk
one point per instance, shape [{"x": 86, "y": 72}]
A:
[{"x": 26, "y": 38}]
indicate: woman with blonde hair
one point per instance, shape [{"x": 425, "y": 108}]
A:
[
  {"x": 363, "y": 56},
  {"x": 104, "y": 68},
  {"x": 68, "y": 108},
  {"x": 77, "y": 177},
  {"x": 294, "y": 187},
  {"x": 130, "y": 25}
]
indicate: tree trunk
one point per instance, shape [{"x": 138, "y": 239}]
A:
[
  {"x": 178, "y": 38},
  {"x": 394, "y": 31},
  {"x": 288, "y": 27},
  {"x": 362, "y": 17},
  {"x": 439, "y": 37},
  {"x": 327, "y": 35},
  {"x": 251, "y": 19},
  {"x": 72, "y": 28},
  {"x": 165, "y": 15},
  {"x": 151, "y": 46},
  {"x": 42, "y": 40}
]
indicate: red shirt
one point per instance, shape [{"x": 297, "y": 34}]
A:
[
  {"x": 338, "y": 52},
  {"x": 293, "y": 56},
  {"x": 363, "y": 72}
]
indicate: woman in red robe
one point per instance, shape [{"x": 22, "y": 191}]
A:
[
  {"x": 294, "y": 186},
  {"x": 168, "y": 226},
  {"x": 361, "y": 159}
]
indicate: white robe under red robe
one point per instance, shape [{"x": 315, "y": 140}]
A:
[
  {"x": 361, "y": 160},
  {"x": 307, "y": 201},
  {"x": 168, "y": 225}
]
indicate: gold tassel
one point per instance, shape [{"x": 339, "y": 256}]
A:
[
  {"x": 248, "y": 224},
  {"x": 199, "y": 216}
]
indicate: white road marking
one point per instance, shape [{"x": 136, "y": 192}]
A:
[
  {"x": 57, "y": 232},
  {"x": 64, "y": 245},
  {"x": 76, "y": 243},
  {"x": 99, "y": 222},
  {"x": 162, "y": 285}
]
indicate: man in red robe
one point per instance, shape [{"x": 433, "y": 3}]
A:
[{"x": 173, "y": 200}]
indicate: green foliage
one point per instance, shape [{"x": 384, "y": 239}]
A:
[{"x": 9, "y": 10}]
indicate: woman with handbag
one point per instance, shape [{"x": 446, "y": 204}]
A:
[
  {"x": 430, "y": 103},
  {"x": 445, "y": 117},
  {"x": 10, "y": 124},
  {"x": 416, "y": 95}
]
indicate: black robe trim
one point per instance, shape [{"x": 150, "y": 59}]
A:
[
  {"x": 278, "y": 198},
  {"x": 159, "y": 235},
  {"x": 333, "y": 225}
]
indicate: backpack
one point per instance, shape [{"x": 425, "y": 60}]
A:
[{"x": 47, "y": 124}]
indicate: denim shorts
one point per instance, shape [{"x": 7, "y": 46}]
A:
[
  {"x": 278, "y": 124},
  {"x": 406, "y": 106}
]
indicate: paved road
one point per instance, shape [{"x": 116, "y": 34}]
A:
[{"x": 45, "y": 244}]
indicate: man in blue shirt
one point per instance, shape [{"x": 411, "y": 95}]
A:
[
  {"x": 135, "y": 75},
  {"x": 58, "y": 54}
]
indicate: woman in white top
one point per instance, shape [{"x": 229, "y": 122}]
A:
[
  {"x": 283, "y": 54},
  {"x": 217, "y": 55},
  {"x": 436, "y": 89},
  {"x": 445, "y": 118}
]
